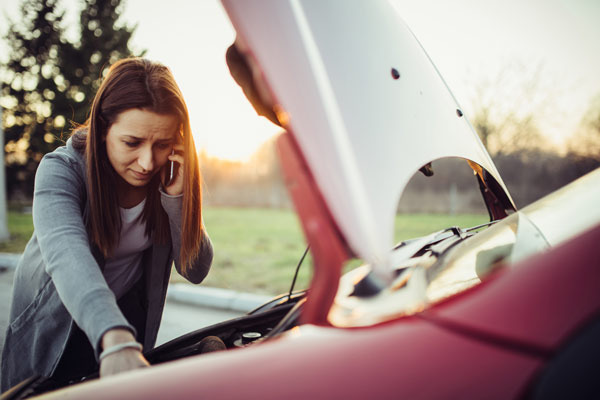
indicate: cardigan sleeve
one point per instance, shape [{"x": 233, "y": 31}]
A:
[
  {"x": 201, "y": 265},
  {"x": 64, "y": 244}
]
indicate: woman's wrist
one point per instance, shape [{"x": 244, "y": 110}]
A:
[
  {"x": 116, "y": 336},
  {"x": 120, "y": 347},
  {"x": 166, "y": 193}
]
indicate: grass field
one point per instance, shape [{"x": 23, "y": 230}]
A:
[
  {"x": 257, "y": 250},
  {"x": 20, "y": 228}
]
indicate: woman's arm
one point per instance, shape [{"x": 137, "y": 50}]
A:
[
  {"x": 201, "y": 265},
  {"x": 59, "y": 194}
]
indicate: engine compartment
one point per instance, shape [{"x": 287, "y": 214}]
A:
[{"x": 269, "y": 320}]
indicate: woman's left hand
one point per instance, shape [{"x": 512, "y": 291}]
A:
[
  {"x": 175, "y": 186},
  {"x": 123, "y": 360}
]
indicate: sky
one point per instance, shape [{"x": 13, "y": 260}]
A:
[{"x": 470, "y": 42}]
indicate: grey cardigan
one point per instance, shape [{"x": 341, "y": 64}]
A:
[{"x": 59, "y": 281}]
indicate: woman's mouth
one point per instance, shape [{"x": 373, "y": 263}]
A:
[{"x": 141, "y": 175}]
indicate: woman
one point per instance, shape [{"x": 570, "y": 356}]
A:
[{"x": 109, "y": 221}]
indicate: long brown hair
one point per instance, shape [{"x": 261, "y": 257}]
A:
[{"x": 137, "y": 83}]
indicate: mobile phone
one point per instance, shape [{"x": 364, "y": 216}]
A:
[
  {"x": 171, "y": 167},
  {"x": 171, "y": 170}
]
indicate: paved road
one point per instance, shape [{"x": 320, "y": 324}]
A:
[
  {"x": 177, "y": 319},
  {"x": 6, "y": 278},
  {"x": 181, "y": 318}
]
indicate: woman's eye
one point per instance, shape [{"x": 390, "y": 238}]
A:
[
  {"x": 163, "y": 146},
  {"x": 132, "y": 144}
]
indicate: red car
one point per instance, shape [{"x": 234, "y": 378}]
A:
[{"x": 509, "y": 309}]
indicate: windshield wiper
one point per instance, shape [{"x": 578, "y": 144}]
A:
[
  {"x": 438, "y": 242},
  {"x": 474, "y": 228}
]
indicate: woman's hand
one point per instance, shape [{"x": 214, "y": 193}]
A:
[
  {"x": 175, "y": 186},
  {"x": 123, "y": 360}
]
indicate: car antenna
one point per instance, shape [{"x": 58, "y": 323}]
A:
[{"x": 297, "y": 270}]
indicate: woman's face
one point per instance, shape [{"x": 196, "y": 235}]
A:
[{"x": 138, "y": 144}]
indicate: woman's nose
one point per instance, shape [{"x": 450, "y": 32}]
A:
[{"x": 146, "y": 159}]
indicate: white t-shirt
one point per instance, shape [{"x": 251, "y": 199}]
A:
[{"x": 124, "y": 267}]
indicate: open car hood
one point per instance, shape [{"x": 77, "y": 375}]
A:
[{"x": 365, "y": 105}]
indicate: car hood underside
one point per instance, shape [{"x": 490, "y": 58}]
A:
[{"x": 364, "y": 103}]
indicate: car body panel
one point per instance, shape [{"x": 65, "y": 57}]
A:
[
  {"x": 560, "y": 223},
  {"x": 409, "y": 358},
  {"x": 328, "y": 68},
  {"x": 326, "y": 244}
]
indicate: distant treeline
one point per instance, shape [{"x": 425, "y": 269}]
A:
[{"x": 528, "y": 175}]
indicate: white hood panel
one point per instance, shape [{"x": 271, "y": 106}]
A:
[{"x": 363, "y": 133}]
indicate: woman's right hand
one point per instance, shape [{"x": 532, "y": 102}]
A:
[{"x": 123, "y": 360}]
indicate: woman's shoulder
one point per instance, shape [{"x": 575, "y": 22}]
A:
[
  {"x": 78, "y": 140},
  {"x": 67, "y": 160},
  {"x": 72, "y": 152}
]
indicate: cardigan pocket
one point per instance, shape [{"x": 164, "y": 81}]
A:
[
  {"x": 29, "y": 313},
  {"x": 36, "y": 338}
]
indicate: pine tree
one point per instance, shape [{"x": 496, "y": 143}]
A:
[
  {"x": 29, "y": 87},
  {"x": 103, "y": 41},
  {"x": 49, "y": 81}
]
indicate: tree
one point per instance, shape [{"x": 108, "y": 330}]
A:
[
  {"x": 103, "y": 41},
  {"x": 3, "y": 222},
  {"x": 586, "y": 141},
  {"x": 49, "y": 80},
  {"x": 508, "y": 107},
  {"x": 28, "y": 85}
]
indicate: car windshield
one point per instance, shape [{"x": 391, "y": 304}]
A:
[{"x": 474, "y": 259}]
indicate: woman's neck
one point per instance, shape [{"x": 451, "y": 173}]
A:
[{"x": 130, "y": 196}]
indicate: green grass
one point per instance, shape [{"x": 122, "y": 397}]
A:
[
  {"x": 257, "y": 250},
  {"x": 20, "y": 228}
]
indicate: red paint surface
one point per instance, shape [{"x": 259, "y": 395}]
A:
[
  {"x": 326, "y": 243},
  {"x": 408, "y": 358}
]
